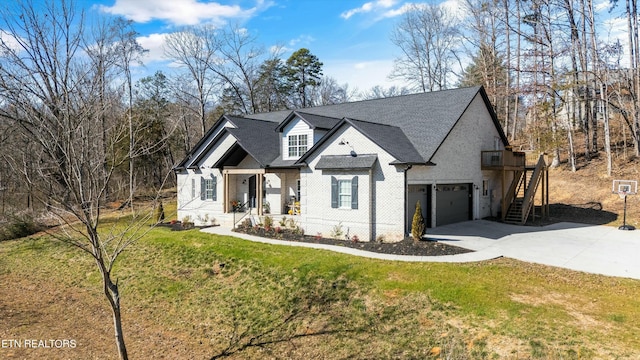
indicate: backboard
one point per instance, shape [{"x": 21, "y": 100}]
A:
[{"x": 624, "y": 187}]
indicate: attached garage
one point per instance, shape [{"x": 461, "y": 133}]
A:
[{"x": 453, "y": 203}]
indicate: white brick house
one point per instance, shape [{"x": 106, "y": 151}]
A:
[{"x": 360, "y": 165}]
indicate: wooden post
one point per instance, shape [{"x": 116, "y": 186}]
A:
[
  {"x": 546, "y": 174},
  {"x": 504, "y": 196},
  {"x": 260, "y": 179},
  {"x": 225, "y": 197}
]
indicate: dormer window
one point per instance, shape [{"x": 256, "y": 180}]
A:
[{"x": 297, "y": 145}]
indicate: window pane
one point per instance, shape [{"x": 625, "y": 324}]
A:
[
  {"x": 209, "y": 189},
  {"x": 302, "y": 140},
  {"x": 344, "y": 191},
  {"x": 293, "y": 146}
]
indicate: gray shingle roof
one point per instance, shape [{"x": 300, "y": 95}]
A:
[
  {"x": 426, "y": 118},
  {"x": 204, "y": 145},
  {"x": 391, "y": 138},
  {"x": 409, "y": 127},
  {"x": 314, "y": 121},
  {"x": 346, "y": 162},
  {"x": 257, "y": 138}
]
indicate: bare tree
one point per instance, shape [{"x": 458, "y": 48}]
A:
[
  {"x": 238, "y": 65},
  {"x": 426, "y": 35},
  {"x": 194, "y": 49},
  {"x": 128, "y": 51},
  {"x": 50, "y": 92},
  {"x": 379, "y": 92},
  {"x": 329, "y": 92}
]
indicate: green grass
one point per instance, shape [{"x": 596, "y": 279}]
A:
[{"x": 285, "y": 299}]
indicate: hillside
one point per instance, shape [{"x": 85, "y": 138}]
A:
[{"x": 585, "y": 195}]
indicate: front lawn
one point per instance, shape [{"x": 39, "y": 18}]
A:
[{"x": 192, "y": 295}]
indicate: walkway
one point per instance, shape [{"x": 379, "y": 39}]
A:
[{"x": 595, "y": 249}]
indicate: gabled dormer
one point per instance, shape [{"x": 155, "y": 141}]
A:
[{"x": 300, "y": 131}]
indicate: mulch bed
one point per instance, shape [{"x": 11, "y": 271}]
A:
[{"x": 404, "y": 247}]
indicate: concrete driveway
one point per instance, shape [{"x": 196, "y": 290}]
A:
[{"x": 590, "y": 248}]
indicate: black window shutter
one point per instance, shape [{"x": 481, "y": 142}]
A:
[
  {"x": 334, "y": 192},
  {"x": 203, "y": 187},
  {"x": 354, "y": 192},
  {"x": 215, "y": 188}
]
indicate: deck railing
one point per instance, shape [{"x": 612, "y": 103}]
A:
[{"x": 502, "y": 159}]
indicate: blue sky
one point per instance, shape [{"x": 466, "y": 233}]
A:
[{"x": 351, "y": 37}]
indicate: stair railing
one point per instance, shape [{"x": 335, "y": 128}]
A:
[
  {"x": 244, "y": 213},
  {"x": 514, "y": 188},
  {"x": 530, "y": 193}
]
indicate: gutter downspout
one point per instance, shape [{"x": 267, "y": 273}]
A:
[
  {"x": 372, "y": 209},
  {"x": 406, "y": 197}
]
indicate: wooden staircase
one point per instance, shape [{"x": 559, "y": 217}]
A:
[{"x": 522, "y": 192}]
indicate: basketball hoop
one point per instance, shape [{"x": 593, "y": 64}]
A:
[
  {"x": 622, "y": 194},
  {"x": 624, "y": 188}
]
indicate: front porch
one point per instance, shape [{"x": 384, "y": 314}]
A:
[{"x": 251, "y": 192}]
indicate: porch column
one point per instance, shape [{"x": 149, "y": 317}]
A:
[
  {"x": 225, "y": 197},
  {"x": 260, "y": 180}
]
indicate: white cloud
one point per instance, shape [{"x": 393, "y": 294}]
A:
[
  {"x": 368, "y": 7},
  {"x": 154, "y": 43},
  {"x": 602, "y": 5},
  {"x": 10, "y": 41},
  {"x": 302, "y": 40},
  {"x": 399, "y": 11},
  {"x": 184, "y": 12},
  {"x": 454, "y": 7},
  {"x": 362, "y": 75}
]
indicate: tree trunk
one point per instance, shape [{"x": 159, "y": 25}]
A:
[
  {"x": 111, "y": 292},
  {"x": 516, "y": 104},
  {"x": 507, "y": 88},
  {"x": 607, "y": 136},
  {"x": 636, "y": 73},
  {"x": 632, "y": 28}
]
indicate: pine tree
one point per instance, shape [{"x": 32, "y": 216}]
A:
[{"x": 417, "y": 226}]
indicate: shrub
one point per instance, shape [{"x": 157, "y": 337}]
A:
[
  {"x": 417, "y": 226},
  {"x": 18, "y": 226},
  {"x": 268, "y": 222},
  {"x": 283, "y": 221},
  {"x": 337, "y": 231},
  {"x": 187, "y": 223},
  {"x": 159, "y": 213}
]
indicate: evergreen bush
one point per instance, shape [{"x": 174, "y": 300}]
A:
[{"x": 417, "y": 225}]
